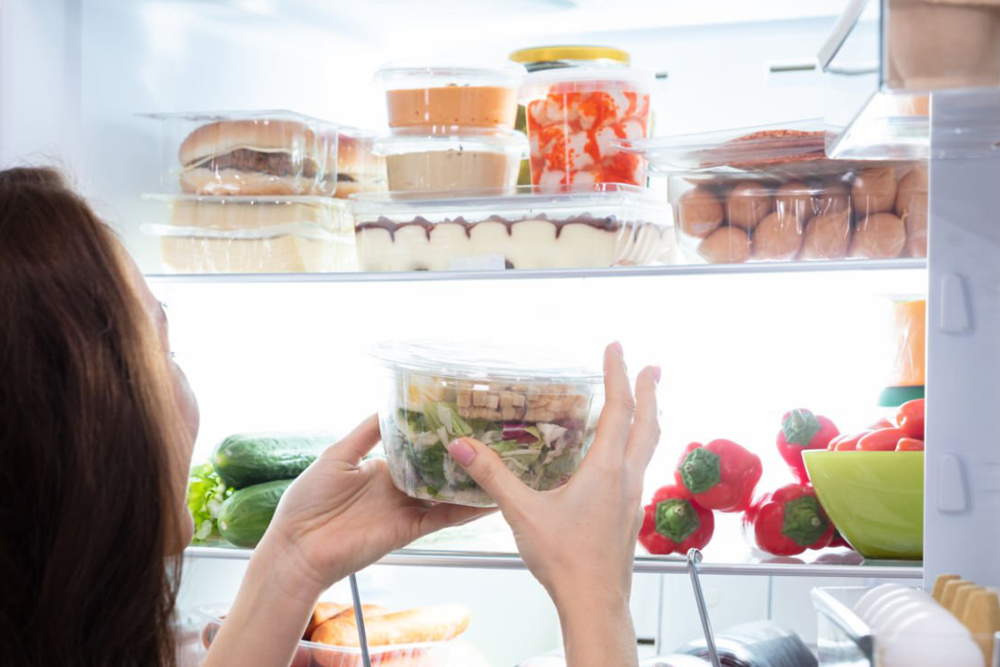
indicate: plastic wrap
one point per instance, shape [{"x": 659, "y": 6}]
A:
[
  {"x": 771, "y": 195},
  {"x": 255, "y": 235},
  {"x": 454, "y": 653},
  {"x": 359, "y": 167},
  {"x": 875, "y": 499},
  {"x": 591, "y": 227},
  {"x": 445, "y": 97},
  {"x": 248, "y": 153},
  {"x": 540, "y": 418},
  {"x": 471, "y": 161},
  {"x": 576, "y": 117}
]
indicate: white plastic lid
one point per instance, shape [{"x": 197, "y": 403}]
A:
[
  {"x": 437, "y": 74},
  {"x": 484, "y": 363},
  {"x": 492, "y": 140},
  {"x": 585, "y": 79}
]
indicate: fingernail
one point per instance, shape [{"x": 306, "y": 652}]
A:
[
  {"x": 617, "y": 348},
  {"x": 656, "y": 374},
  {"x": 462, "y": 452}
]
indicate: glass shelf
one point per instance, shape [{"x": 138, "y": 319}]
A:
[
  {"x": 616, "y": 272},
  {"x": 836, "y": 564}
]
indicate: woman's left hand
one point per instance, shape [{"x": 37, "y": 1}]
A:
[{"x": 342, "y": 514}]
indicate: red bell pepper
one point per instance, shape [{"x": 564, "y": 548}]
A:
[
  {"x": 910, "y": 419},
  {"x": 720, "y": 475},
  {"x": 789, "y": 521},
  {"x": 838, "y": 540},
  {"x": 909, "y": 445},
  {"x": 673, "y": 522},
  {"x": 802, "y": 430}
]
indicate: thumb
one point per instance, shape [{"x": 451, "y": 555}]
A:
[{"x": 486, "y": 468}]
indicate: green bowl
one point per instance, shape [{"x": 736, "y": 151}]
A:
[{"x": 875, "y": 499}]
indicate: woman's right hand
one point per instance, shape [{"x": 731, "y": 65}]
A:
[{"x": 579, "y": 540}]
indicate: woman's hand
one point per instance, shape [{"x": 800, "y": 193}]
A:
[
  {"x": 579, "y": 540},
  {"x": 343, "y": 514}
]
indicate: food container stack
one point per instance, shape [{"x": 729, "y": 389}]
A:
[
  {"x": 451, "y": 126},
  {"x": 772, "y": 195},
  {"x": 260, "y": 192},
  {"x": 453, "y": 157}
]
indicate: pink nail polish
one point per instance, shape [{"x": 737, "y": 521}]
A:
[
  {"x": 656, "y": 374},
  {"x": 462, "y": 452}
]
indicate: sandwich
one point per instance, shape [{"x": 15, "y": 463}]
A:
[{"x": 258, "y": 157}]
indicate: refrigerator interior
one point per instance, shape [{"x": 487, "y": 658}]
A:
[{"x": 291, "y": 355}]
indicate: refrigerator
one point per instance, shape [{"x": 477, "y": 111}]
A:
[{"x": 739, "y": 344}]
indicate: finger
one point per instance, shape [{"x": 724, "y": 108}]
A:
[
  {"x": 645, "y": 434},
  {"x": 619, "y": 406},
  {"x": 446, "y": 514},
  {"x": 358, "y": 442},
  {"x": 489, "y": 472}
]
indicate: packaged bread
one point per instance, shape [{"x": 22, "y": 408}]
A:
[{"x": 414, "y": 626}]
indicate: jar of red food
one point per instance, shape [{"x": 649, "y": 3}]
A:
[{"x": 577, "y": 116}]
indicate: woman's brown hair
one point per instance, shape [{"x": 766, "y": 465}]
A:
[{"x": 87, "y": 420}]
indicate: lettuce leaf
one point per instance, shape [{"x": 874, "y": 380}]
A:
[{"x": 205, "y": 495}]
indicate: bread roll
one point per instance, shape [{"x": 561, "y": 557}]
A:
[
  {"x": 424, "y": 624},
  {"x": 833, "y": 198},
  {"x": 233, "y": 182},
  {"x": 265, "y": 134},
  {"x": 879, "y": 236},
  {"x": 747, "y": 204},
  {"x": 794, "y": 198},
  {"x": 726, "y": 245},
  {"x": 828, "y": 236},
  {"x": 778, "y": 236},
  {"x": 699, "y": 212},
  {"x": 874, "y": 191},
  {"x": 323, "y": 612},
  {"x": 912, "y": 191}
]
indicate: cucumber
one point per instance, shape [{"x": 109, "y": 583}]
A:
[
  {"x": 246, "y": 459},
  {"x": 246, "y": 514}
]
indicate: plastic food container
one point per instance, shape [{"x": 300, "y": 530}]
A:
[
  {"x": 599, "y": 226},
  {"x": 471, "y": 161},
  {"x": 454, "y": 653},
  {"x": 875, "y": 499},
  {"x": 442, "y": 98},
  {"x": 576, "y": 117},
  {"x": 771, "y": 194},
  {"x": 255, "y": 235},
  {"x": 539, "y": 417},
  {"x": 359, "y": 167},
  {"x": 248, "y": 153}
]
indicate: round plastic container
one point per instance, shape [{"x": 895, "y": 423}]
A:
[
  {"x": 539, "y": 418},
  {"x": 577, "y": 116},
  {"x": 475, "y": 160},
  {"x": 443, "y": 98}
]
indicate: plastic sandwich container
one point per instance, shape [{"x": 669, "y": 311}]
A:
[
  {"x": 248, "y": 153},
  {"x": 254, "y": 235},
  {"x": 538, "y": 415}
]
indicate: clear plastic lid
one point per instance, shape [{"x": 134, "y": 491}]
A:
[
  {"x": 798, "y": 141},
  {"x": 436, "y": 74},
  {"x": 585, "y": 79},
  {"x": 527, "y": 200},
  {"x": 472, "y": 139},
  {"x": 484, "y": 362}
]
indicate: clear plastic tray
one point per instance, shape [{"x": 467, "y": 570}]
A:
[
  {"x": 248, "y": 153},
  {"x": 359, "y": 167},
  {"x": 539, "y": 417},
  {"x": 254, "y": 235},
  {"x": 475, "y": 160},
  {"x": 598, "y": 226},
  {"x": 576, "y": 118},
  {"x": 452, "y": 653},
  {"x": 445, "y": 97}
]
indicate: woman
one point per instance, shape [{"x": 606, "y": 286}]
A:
[{"x": 97, "y": 426}]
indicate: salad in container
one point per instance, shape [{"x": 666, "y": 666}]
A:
[{"x": 539, "y": 418}]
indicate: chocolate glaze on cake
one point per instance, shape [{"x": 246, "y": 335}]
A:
[{"x": 606, "y": 223}]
